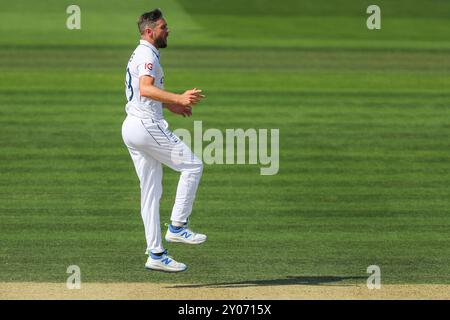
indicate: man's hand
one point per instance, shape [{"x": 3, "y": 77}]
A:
[
  {"x": 179, "y": 109},
  {"x": 190, "y": 97}
]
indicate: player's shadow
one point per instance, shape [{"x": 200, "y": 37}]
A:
[{"x": 289, "y": 280}]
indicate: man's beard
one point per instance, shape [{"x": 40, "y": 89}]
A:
[{"x": 161, "y": 43}]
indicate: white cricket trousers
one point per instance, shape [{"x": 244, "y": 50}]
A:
[{"x": 150, "y": 144}]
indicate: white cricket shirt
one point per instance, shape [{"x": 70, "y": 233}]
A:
[{"x": 143, "y": 62}]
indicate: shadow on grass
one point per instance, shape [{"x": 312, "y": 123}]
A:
[{"x": 290, "y": 280}]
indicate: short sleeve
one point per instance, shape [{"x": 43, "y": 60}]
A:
[{"x": 147, "y": 67}]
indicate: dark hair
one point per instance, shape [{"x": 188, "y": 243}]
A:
[{"x": 149, "y": 19}]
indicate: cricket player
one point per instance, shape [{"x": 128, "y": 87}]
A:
[{"x": 151, "y": 144}]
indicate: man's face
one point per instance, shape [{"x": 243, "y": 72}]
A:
[{"x": 160, "y": 33}]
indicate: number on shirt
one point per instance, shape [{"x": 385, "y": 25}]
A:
[{"x": 128, "y": 84}]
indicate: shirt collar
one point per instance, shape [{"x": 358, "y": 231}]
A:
[{"x": 148, "y": 44}]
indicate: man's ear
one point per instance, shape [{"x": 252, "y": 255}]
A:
[{"x": 149, "y": 32}]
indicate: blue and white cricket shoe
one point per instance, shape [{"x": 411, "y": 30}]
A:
[
  {"x": 164, "y": 263},
  {"x": 184, "y": 235}
]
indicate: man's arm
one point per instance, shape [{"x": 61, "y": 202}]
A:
[{"x": 149, "y": 90}]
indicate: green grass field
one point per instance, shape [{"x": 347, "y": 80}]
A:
[{"x": 364, "y": 141}]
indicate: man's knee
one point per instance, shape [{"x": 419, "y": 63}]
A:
[
  {"x": 198, "y": 168},
  {"x": 195, "y": 168}
]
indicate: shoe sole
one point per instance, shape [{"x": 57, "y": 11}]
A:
[
  {"x": 176, "y": 240},
  {"x": 164, "y": 270}
]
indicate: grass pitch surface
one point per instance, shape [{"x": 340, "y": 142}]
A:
[{"x": 364, "y": 141}]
